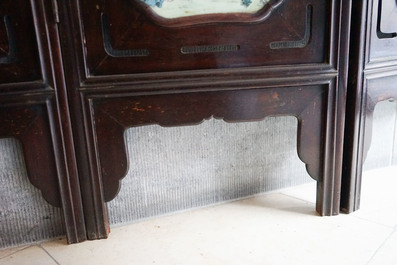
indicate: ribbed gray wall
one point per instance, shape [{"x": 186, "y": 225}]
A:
[
  {"x": 173, "y": 169},
  {"x": 24, "y": 215}
]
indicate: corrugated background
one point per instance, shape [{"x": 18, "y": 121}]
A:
[
  {"x": 24, "y": 215},
  {"x": 178, "y": 168}
]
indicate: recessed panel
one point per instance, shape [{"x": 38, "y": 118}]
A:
[
  {"x": 384, "y": 30},
  {"x": 129, "y": 37},
  {"x": 19, "y": 60},
  {"x": 388, "y": 23}
]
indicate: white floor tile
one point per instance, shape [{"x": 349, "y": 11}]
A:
[
  {"x": 306, "y": 192},
  {"x": 270, "y": 229},
  {"x": 9, "y": 251},
  {"x": 387, "y": 254},
  {"x": 275, "y": 228},
  {"x": 33, "y": 255},
  {"x": 379, "y": 196}
]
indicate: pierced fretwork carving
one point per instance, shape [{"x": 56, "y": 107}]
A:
[
  {"x": 299, "y": 43},
  {"x": 210, "y": 48}
]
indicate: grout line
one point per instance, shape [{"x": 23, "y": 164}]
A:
[
  {"x": 216, "y": 204},
  {"x": 380, "y": 246},
  {"x": 369, "y": 221},
  {"x": 40, "y": 246},
  {"x": 16, "y": 251},
  {"x": 294, "y": 197}
]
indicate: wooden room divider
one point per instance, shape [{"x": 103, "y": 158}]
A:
[{"x": 74, "y": 75}]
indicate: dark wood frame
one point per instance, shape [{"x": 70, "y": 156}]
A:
[
  {"x": 107, "y": 98},
  {"x": 34, "y": 110},
  {"x": 372, "y": 79},
  {"x": 89, "y": 91}
]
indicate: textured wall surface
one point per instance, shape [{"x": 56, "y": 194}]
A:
[
  {"x": 24, "y": 215},
  {"x": 173, "y": 169},
  {"x": 383, "y": 150}
]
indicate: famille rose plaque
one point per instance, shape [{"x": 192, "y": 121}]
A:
[{"x": 171, "y": 9}]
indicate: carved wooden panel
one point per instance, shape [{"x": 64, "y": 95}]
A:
[
  {"x": 377, "y": 87},
  {"x": 34, "y": 108},
  {"x": 113, "y": 116},
  {"x": 19, "y": 57},
  {"x": 129, "y": 66},
  {"x": 387, "y": 18},
  {"x": 33, "y": 121},
  {"x": 372, "y": 78},
  {"x": 30, "y": 124},
  {"x": 118, "y": 37},
  {"x": 383, "y": 28}
]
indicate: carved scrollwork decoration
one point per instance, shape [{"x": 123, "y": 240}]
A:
[{"x": 11, "y": 56}]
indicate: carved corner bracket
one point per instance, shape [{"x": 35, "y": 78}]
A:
[
  {"x": 376, "y": 90},
  {"x": 30, "y": 125}
]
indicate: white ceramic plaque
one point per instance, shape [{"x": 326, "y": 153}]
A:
[{"x": 184, "y": 8}]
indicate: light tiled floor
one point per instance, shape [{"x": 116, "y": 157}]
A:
[{"x": 273, "y": 228}]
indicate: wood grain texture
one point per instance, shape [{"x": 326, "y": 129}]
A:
[
  {"x": 372, "y": 78},
  {"x": 113, "y": 116},
  {"x": 131, "y": 71},
  {"x": 30, "y": 125},
  {"x": 34, "y": 109},
  {"x": 130, "y": 28},
  {"x": 17, "y": 36},
  {"x": 100, "y": 67}
]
